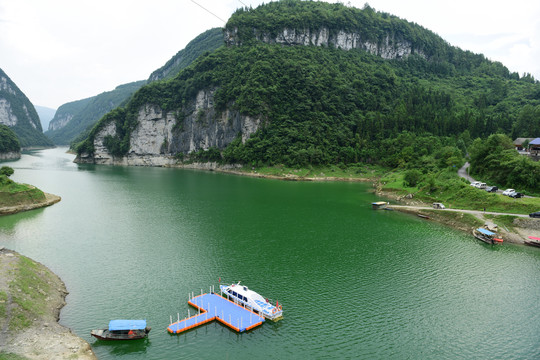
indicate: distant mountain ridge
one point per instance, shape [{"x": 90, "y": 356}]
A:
[
  {"x": 46, "y": 114},
  {"x": 73, "y": 120},
  {"x": 17, "y": 112}
]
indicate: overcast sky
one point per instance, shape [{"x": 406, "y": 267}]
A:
[{"x": 58, "y": 51}]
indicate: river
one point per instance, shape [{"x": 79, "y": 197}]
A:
[{"x": 132, "y": 242}]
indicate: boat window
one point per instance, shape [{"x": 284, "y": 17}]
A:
[{"x": 234, "y": 293}]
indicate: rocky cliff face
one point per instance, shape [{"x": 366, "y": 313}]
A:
[
  {"x": 11, "y": 155},
  {"x": 60, "y": 121},
  {"x": 17, "y": 112},
  {"x": 159, "y": 136},
  {"x": 7, "y": 116},
  {"x": 390, "y": 48}
]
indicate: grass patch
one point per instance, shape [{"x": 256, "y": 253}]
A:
[
  {"x": 503, "y": 220},
  {"x": 26, "y": 196},
  {"x": 354, "y": 171},
  {"x": 464, "y": 219},
  {"x": 3, "y": 304},
  {"x": 10, "y": 356},
  {"x": 29, "y": 290},
  {"x": 448, "y": 188}
]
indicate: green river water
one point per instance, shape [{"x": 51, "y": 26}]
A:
[{"x": 354, "y": 283}]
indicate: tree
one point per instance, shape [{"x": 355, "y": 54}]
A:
[
  {"x": 412, "y": 177},
  {"x": 7, "y": 171}
]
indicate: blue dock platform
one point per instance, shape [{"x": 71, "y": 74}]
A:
[{"x": 214, "y": 307}]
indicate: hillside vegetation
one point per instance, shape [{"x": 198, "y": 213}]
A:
[
  {"x": 8, "y": 140},
  {"x": 83, "y": 114},
  {"x": 208, "y": 41},
  {"x": 21, "y": 114},
  {"x": 320, "y": 105}
]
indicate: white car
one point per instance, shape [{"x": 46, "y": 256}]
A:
[
  {"x": 475, "y": 184},
  {"x": 507, "y": 192}
]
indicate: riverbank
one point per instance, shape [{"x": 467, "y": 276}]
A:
[
  {"x": 517, "y": 231},
  {"x": 517, "y": 227},
  {"x": 49, "y": 200},
  {"x": 360, "y": 173},
  {"x": 31, "y": 297}
]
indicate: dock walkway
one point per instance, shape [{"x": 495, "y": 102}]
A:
[{"x": 215, "y": 307}]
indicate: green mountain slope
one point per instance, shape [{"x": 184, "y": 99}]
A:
[
  {"x": 17, "y": 112},
  {"x": 286, "y": 64},
  {"x": 74, "y": 118},
  {"x": 209, "y": 40}
]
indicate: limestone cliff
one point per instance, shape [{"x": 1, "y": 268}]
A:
[
  {"x": 17, "y": 112},
  {"x": 160, "y": 136},
  {"x": 390, "y": 48},
  {"x": 11, "y": 155}
]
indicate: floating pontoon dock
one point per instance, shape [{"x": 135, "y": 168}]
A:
[{"x": 214, "y": 307}]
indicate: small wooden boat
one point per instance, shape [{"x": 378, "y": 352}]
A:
[
  {"x": 486, "y": 236},
  {"x": 423, "y": 216},
  {"x": 534, "y": 241},
  {"x": 123, "y": 330}
]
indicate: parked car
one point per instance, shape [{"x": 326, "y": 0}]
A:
[
  {"x": 492, "y": 189},
  {"x": 507, "y": 192},
  {"x": 475, "y": 184},
  {"x": 535, "y": 214},
  {"x": 438, "y": 206},
  {"x": 482, "y": 186},
  {"x": 516, "y": 195}
]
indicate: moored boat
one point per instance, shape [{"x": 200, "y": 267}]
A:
[
  {"x": 123, "y": 330},
  {"x": 486, "y": 236},
  {"x": 533, "y": 241},
  {"x": 252, "y": 300}
]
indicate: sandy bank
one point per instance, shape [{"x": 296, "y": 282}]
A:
[
  {"x": 45, "y": 338},
  {"x": 49, "y": 200}
]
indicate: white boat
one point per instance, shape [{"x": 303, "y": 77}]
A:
[{"x": 240, "y": 294}]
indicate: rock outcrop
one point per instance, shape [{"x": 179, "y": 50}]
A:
[
  {"x": 160, "y": 136},
  {"x": 11, "y": 155},
  {"x": 390, "y": 48},
  {"x": 17, "y": 112}
]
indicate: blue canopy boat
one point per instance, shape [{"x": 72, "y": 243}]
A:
[
  {"x": 486, "y": 236},
  {"x": 123, "y": 330}
]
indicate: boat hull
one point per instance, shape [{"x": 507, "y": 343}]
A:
[
  {"x": 105, "y": 334},
  {"x": 533, "y": 243},
  {"x": 484, "y": 238}
]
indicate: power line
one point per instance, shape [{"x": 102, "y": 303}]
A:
[{"x": 208, "y": 10}]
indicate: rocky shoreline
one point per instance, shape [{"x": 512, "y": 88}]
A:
[
  {"x": 45, "y": 338},
  {"x": 50, "y": 199},
  {"x": 523, "y": 227}
]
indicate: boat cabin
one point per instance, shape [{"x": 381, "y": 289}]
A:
[{"x": 379, "y": 205}]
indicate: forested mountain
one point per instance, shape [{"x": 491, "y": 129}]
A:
[
  {"x": 17, "y": 112},
  {"x": 74, "y": 118},
  {"x": 209, "y": 40},
  {"x": 307, "y": 83}
]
